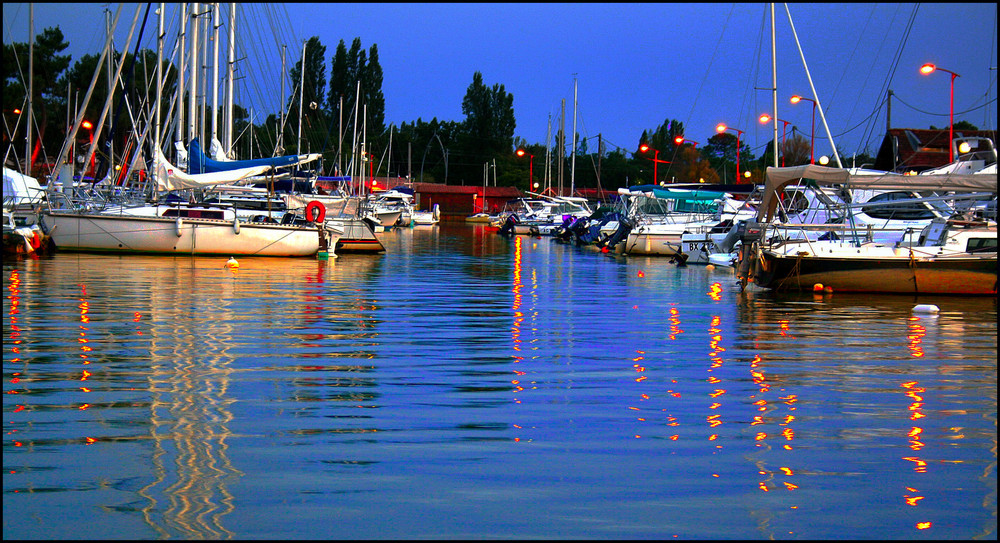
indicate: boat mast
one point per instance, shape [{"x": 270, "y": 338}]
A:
[
  {"x": 572, "y": 169},
  {"x": 193, "y": 83},
  {"x": 548, "y": 155},
  {"x": 774, "y": 86},
  {"x": 181, "y": 68},
  {"x": 562, "y": 144},
  {"x": 159, "y": 83},
  {"x": 31, "y": 86},
  {"x": 281, "y": 124},
  {"x": 67, "y": 176},
  {"x": 229, "y": 82},
  {"x": 117, "y": 76},
  {"x": 813, "y": 88},
  {"x": 302, "y": 88},
  {"x": 215, "y": 74}
]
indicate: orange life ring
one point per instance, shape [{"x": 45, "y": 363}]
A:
[
  {"x": 315, "y": 209},
  {"x": 36, "y": 241}
]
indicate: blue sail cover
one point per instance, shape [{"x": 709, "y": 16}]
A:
[{"x": 198, "y": 161}]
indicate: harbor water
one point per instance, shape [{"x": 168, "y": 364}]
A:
[{"x": 463, "y": 385}]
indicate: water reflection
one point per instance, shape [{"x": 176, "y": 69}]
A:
[{"x": 422, "y": 380}]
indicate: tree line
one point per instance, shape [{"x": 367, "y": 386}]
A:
[{"x": 350, "y": 104}]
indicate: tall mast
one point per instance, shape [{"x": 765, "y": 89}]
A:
[
  {"x": 67, "y": 176},
  {"x": 31, "y": 86},
  {"x": 215, "y": 73},
  {"x": 193, "y": 85},
  {"x": 203, "y": 23},
  {"x": 302, "y": 88},
  {"x": 229, "y": 80},
  {"x": 562, "y": 144},
  {"x": 813, "y": 88},
  {"x": 281, "y": 123},
  {"x": 181, "y": 68},
  {"x": 774, "y": 86},
  {"x": 159, "y": 83},
  {"x": 572, "y": 171}
]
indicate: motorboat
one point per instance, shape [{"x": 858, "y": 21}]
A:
[
  {"x": 428, "y": 217},
  {"x": 540, "y": 215},
  {"x": 950, "y": 255}
]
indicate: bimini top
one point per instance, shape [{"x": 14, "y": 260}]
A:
[{"x": 778, "y": 178}]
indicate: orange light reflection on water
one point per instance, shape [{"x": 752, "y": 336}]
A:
[
  {"x": 916, "y": 335},
  {"x": 675, "y": 322}
]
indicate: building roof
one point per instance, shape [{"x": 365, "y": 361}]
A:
[{"x": 914, "y": 149}]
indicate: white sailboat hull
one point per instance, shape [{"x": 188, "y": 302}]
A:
[{"x": 189, "y": 236}]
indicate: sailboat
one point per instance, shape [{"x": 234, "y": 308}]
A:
[{"x": 90, "y": 222}]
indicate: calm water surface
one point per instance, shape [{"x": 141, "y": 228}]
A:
[{"x": 464, "y": 385}]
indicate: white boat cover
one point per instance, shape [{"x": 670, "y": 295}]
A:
[
  {"x": 169, "y": 177},
  {"x": 20, "y": 189},
  {"x": 778, "y": 178}
]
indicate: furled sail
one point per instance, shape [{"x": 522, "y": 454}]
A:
[
  {"x": 170, "y": 177},
  {"x": 200, "y": 163}
]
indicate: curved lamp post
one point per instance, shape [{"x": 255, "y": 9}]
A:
[
  {"x": 722, "y": 128},
  {"x": 531, "y": 165},
  {"x": 764, "y": 119},
  {"x": 927, "y": 69},
  {"x": 812, "y": 133}
]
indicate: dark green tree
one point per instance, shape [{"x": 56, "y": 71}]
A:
[
  {"x": 49, "y": 97},
  {"x": 316, "y": 113},
  {"x": 354, "y": 70},
  {"x": 488, "y": 129}
]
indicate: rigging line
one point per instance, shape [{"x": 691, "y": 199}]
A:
[
  {"x": 708, "y": 69},
  {"x": 864, "y": 32},
  {"x": 970, "y": 110},
  {"x": 894, "y": 66}
]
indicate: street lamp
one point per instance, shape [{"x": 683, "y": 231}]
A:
[
  {"x": 927, "y": 69},
  {"x": 90, "y": 139},
  {"x": 656, "y": 158},
  {"x": 531, "y": 165},
  {"x": 680, "y": 140},
  {"x": 722, "y": 128},
  {"x": 764, "y": 119},
  {"x": 812, "y": 133}
]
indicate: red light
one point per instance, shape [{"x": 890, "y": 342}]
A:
[
  {"x": 87, "y": 124},
  {"x": 643, "y": 147}
]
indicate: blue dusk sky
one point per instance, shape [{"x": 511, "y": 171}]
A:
[{"x": 634, "y": 65}]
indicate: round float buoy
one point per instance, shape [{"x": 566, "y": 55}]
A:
[
  {"x": 232, "y": 263},
  {"x": 315, "y": 211},
  {"x": 925, "y": 308},
  {"x": 818, "y": 287}
]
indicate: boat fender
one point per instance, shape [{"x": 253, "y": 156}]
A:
[
  {"x": 236, "y": 225},
  {"x": 316, "y": 212},
  {"x": 36, "y": 241},
  {"x": 926, "y": 308},
  {"x": 179, "y": 225}
]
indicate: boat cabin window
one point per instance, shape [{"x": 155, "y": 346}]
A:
[
  {"x": 195, "y": 213},
  {"x": 898, "y": 206},
  {"x": 981, "y": 245}
]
